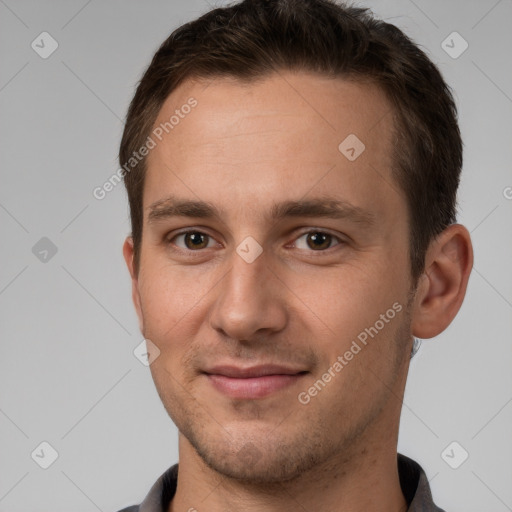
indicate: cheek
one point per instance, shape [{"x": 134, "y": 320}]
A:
[
  {"x": 349, "y": 299},
  {"x": 170, "y": 296},
  {"x": 364, "y": 309}
]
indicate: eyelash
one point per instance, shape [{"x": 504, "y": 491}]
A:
[{"x": 169, "y": 241}]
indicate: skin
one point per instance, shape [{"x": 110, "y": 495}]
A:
[{"x": 244, "y": 148}]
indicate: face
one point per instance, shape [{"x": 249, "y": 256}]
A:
[{"x": 274, "y": 273}]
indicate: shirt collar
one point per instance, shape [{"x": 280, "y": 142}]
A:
[{"x": 413, "y": 481}]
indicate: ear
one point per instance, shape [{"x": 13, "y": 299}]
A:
[
  {"x": 442, "y": 286},
  {"x": 128, "y": 257}
]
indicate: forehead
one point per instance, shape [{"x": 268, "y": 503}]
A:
[{"x": 283, "y": 135}]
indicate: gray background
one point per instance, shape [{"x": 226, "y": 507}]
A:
[{"x": 68, "y": 375}]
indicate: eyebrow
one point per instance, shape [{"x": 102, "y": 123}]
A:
[{"x": 325, "y": 207}]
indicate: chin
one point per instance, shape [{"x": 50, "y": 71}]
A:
[
  {"x": 262, "y": 460},
  {"x": 267, "y": 470}
]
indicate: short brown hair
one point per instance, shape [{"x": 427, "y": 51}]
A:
[{"x": 253, "y": 38}]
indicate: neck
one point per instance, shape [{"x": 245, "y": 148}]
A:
[
  {"x": 364, "y": 480},
  {"x": 372, "y": 485}
]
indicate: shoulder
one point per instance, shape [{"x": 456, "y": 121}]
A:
[
  {"x": 415, "y": 486},
  {"x": 160, "y": 494}
]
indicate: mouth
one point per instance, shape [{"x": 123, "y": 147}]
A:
[{"x": 254, "y": 382}]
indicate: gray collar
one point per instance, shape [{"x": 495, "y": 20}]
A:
[{"x": 413, "y": 481}]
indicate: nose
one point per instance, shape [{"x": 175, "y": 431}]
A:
[{"x": 250, "y": 301}]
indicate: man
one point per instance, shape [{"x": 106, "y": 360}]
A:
[{"x": 292, "y": 169}]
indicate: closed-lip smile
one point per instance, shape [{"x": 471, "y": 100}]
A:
[{"x": 252, "y": 382}]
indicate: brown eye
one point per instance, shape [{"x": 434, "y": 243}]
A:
[
  {"x": 316, "y": 240},
  {"x": 192, "y": 240},
  {"x": 319, "y": 240},
  {"x": 196, "y": 240}
]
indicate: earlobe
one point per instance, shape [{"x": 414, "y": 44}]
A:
[
  {"x": 128, "y": 253},
  {"x": 442, "y": 287}
]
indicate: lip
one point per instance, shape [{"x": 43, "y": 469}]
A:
[
  {"x": 253, "y": 371},
  {"x": 253, "y": 382}
]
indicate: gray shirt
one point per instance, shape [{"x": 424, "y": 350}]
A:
[{"x": 413, "y": 481}]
